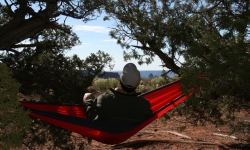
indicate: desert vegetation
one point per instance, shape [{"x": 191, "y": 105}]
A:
[
  {"x": 13, "y": 120},
  {"x": 101, "y": 85}
]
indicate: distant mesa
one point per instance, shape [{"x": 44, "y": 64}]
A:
[
  {"x": 107, "y": 75},
  {"x": 150, "y": 75},
  {"x": 144, "y": 74}
]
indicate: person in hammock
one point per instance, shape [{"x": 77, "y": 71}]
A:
[{"x": 122, "y": 106}]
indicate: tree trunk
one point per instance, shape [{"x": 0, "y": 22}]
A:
[
  {"x": 18, "y": 30},
  {"x": 169, "y": 62}
]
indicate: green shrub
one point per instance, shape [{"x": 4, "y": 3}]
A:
[
  {"x": 157, "y": 82},
  {"x": 103, "y": 85},
  {"x": 146, "y": 84},
  {"x": 13, "y": 119}
]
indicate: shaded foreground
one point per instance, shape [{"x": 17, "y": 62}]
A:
[
  {"x": 173, "y": 134},
  {"x": 170, "y": 134}
]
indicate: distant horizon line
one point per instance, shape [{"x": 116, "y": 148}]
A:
[{"x": 138, "y": 70}]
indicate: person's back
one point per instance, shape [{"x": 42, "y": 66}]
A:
[
  {"x": 123, "y": 106},
  {"x": 119, "y": 108}
]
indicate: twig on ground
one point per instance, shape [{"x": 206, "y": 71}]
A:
[
  {"x": 144, "y": 132},
  {"x": 132, "y": 144},
  {"x": 224, "y": 135},
  {"x": 179, "y": 134}
]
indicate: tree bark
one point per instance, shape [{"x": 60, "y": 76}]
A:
[
  {"x": 169, "y": 62},
  {"x": 18, "y": 30}
]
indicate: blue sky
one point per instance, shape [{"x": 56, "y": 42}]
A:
[{"x": 94, "y": 36}]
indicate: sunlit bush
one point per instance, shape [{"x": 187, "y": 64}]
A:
[
  {"x": 146, "y": 84},
  {"x": 103, "y": 85}
]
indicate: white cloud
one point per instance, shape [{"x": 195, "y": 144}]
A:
[
  {"x": 98, "y": 29},
  {"x": 111, "y": 40}
]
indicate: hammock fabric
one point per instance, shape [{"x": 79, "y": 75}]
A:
[{"x": 73, "y": 117}]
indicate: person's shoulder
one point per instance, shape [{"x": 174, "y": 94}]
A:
[
  {"x": 142, "y": 100},
  {"x": 105, "y": 95}
]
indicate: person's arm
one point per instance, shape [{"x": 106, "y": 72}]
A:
[
  {"x": 90, "y": 103},
  {"x": 118, "y": 89}
]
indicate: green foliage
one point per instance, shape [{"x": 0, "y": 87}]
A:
[
  {"x": 14, "y": 121},
  {"x": 218, "y": 49},
  {"x": 47, "y": 71},
  {"x": 157, "y": 82},
  {"x": 103, "y": 85},
  {"x": 146, "y": 84},
  {"x": 55, "y": 78},
  {"x": 96, "y": 62},
  {"x": 4, "y": 18}
]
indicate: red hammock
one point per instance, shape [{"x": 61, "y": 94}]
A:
[{"x": 73, "y": 117}]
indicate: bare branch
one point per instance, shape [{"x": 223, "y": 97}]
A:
[
  {"x": 10, "y": 12},
  {"x": 48, "y": 1},
  {"x": 24, "y": 45},
  {"x": 12, "y": 50},
  {"x": 142, "y": 47}
]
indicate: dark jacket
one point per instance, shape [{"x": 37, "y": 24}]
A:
[{"x": 118, "y": 108}]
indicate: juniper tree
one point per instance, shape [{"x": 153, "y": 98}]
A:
[
  {"x": 14, "y": 121},
  {"x": 218, "y": 49},
  {"x": 213, "y": 39}
]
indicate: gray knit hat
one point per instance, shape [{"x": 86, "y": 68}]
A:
[{"x": 130, "y": 76}]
